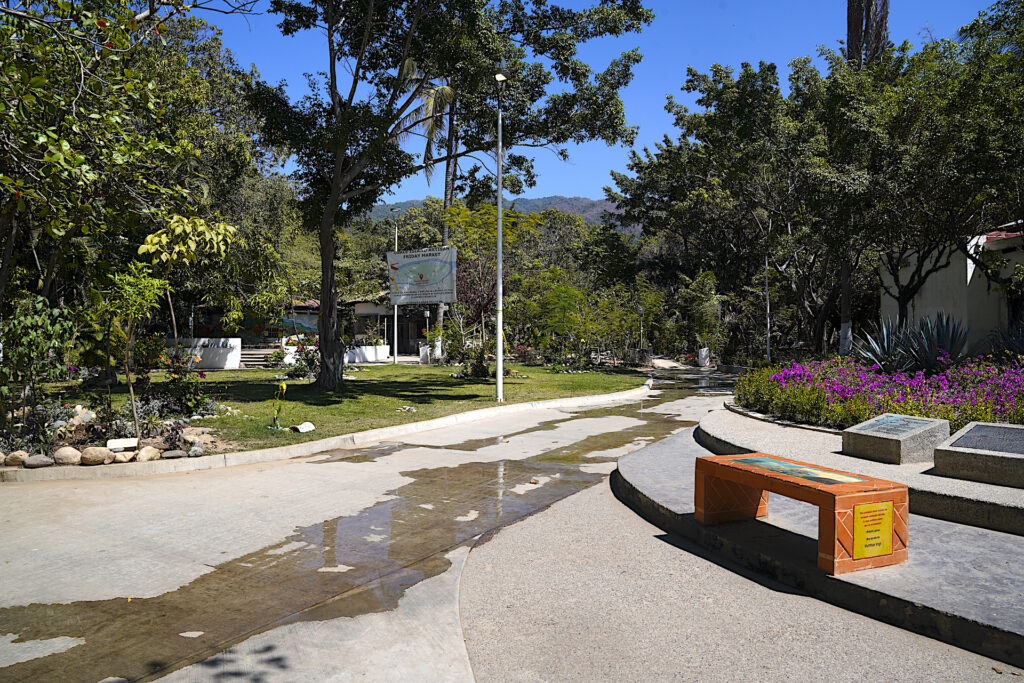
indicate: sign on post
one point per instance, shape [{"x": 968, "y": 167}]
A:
[{"x": 424, "y": 276}]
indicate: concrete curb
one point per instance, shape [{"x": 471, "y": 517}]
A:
[
  {"x": 753, "y": 415},
  {"x": 952, "y": 508},
  {"x": 984, "y": 639},
  {"x": 217, "y": 460}
]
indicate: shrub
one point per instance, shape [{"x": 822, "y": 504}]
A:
[
  {"x": 841, "y": 393},
  {"x": 885, "y": 345},
  {"x": 274, "y": 359},
  {"x": 933, "y": 345}
]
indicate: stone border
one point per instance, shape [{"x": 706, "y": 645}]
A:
[
  {"x": 745, "y": 412},
  {"x": 217, "y": 460},
  {"x": 962, "y": 632}
]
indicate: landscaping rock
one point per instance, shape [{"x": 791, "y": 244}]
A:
[
  {"x": 66, "y": 455},
  {"x": 118, "y": 445},
  {"x": 97, "y": 455},
  {"x": 176, "y": 453},
  {"x": 35, "y": 461},
  {"x": 303, "y": 428},
  {"x": 125, "y": 456},
  {"x": 16, "y": 459},
  {"x": 3, "y": 458},
  {"x": 82, "y": 416},
  {"x": 147, "y": 453},
  {"x": 197, "y": 450}
]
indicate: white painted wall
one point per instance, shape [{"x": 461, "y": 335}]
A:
[
  {"x": 215, "y": 353},
  {"x": 964, "y": 292}
]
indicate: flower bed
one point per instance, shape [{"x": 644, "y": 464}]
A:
[{"x": 840, "y": 393}]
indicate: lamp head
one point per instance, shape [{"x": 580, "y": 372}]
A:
[{"x": 500, "y": 75}]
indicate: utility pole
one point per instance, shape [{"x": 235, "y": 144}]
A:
[
  {"x": 500, "y": 76},
  {"x": 394, "y": 327}
]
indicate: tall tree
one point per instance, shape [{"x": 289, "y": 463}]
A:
[
  {"x": 386, "y": 59},
  {"x": 867, "y": 37}
]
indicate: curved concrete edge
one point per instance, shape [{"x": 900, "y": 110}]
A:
[
  {"x": 754, "y": 415},
  {"x": 979, "y": 513},
  {"x": 961, "y": 632},
  {"x": 216, "y": 460}
]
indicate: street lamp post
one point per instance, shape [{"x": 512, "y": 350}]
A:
[
  {"x": 500, "y": 76},
  {"x": 394, "y": 327}
]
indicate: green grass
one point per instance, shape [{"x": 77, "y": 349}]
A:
[{"x": 372, "y": 399}]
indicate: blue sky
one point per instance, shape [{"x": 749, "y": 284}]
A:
[{"x": 684, "y": 33}]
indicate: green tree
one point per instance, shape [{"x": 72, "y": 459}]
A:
[
  {"x": 131, "y": 299},
  {"x": 398, "y": 54}
]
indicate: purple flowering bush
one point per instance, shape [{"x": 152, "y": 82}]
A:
[{"x": 841, "y": 393}]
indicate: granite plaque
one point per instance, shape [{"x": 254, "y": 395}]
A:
[
  {"x": 892, "y": 425},
  {"x": 895, "y": 439},
  {"x": 988, "y": 437},
  {"x": 984, "y": 451}
]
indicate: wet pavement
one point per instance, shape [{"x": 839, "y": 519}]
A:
[{"x": 117, "y": 588}]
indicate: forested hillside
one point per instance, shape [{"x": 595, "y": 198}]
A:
[{"x": 589, "y": 209}]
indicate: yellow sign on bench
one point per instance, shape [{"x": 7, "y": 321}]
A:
[{"x": 872, "y": 530}]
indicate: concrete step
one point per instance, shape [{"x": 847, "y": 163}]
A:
[
  {"x": 255, "y": 358},
  {"x": 962, "y": 584}
]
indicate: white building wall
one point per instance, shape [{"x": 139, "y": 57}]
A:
[{"x": 964, "y": 292}]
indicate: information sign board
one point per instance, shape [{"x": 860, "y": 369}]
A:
[{"x": 424, "y": 276}]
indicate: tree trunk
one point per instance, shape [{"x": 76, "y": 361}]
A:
[
  {"x": 174, "y": 321},
  {"x": 846, "y": 308},
  {"x": 51, "y": 266},
  {"x": 131, "y": 389},
  {"x": 903, "y": 309},
  {"x": 450, "y": 168},
  {"x": 9, "y": 229},
  {"x": 332, "y": 351}
]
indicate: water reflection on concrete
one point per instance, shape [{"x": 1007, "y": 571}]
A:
[{"x": 346, "y": 566}]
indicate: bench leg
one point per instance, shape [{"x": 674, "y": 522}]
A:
[{"x": 718, "y": 500}]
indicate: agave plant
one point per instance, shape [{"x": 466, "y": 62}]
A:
[
  {"x": 937, "y": 343},
  {"x": 885, "y": 345},
  {"x": 1010, "y": 342}
]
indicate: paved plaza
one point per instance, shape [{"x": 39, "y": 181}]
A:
[{"x": 453, "y": 554}]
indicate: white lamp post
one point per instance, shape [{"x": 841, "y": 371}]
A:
[
  {"x": 394, "y": 327},
  {"x": 500, "y": 76}
]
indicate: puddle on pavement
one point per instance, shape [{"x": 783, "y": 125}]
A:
[{"x": 342, "y": 567}]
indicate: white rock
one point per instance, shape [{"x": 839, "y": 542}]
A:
[
  {"x": 124, "y": 456},
  {"x": 97, "y": 455},
  {"x": 147, "y": 453},
  {"x": 118, "y": 445},
  {"x": 38, "y": 461},
  {"x": 16, "y": 458},
  {"x": 66, "y": 455}
]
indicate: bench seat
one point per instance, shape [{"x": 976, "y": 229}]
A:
[{"x": 862, "y": 521}]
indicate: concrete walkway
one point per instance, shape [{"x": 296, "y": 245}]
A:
[
  {"x": 589, "y": 591},
  {"x": 962, "y": 584},
  {"x": 249, "y": 571}
]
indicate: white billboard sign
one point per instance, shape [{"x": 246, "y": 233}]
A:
[{"x": 424, "y": 276}]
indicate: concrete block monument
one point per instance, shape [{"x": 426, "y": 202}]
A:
[
  {"x": 984, "y": 451},
  {"x": 895, "y": 439}
]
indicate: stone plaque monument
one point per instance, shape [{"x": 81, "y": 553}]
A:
[
  {"x": 895, "y": 439},
  {"x": 984, "y": 451}
]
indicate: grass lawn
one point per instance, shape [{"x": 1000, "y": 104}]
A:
[{"x": 372, "y": 399}]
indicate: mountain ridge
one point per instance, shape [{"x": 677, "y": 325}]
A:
[{"x": 588, "y": 209}]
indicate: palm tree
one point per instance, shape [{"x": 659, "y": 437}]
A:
[{"x": 867, "y": 36}]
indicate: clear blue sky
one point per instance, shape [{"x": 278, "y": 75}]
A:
[{"x": 684, "y": 33}]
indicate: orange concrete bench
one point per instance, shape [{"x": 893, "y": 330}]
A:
[{"x": 862, "y": 521}]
